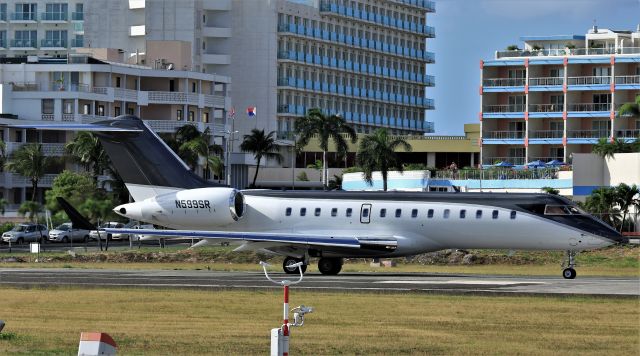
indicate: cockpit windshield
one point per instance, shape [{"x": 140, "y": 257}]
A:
[{"x": 562, "y": 210}]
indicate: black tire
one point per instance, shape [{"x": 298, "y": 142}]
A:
[
  {"x": 20, "y": 241},
  {"x": 65, "y": 240},
  {"x": 569, "y": 273},
  {"x": 85, "y": 239},
  {"x": 292, "y": 260},
  {"x": 330, "y": 266}
]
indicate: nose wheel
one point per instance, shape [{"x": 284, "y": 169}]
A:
[{"x": 569, "y": 272}]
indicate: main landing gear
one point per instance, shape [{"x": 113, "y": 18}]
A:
[
  {"x": 326, "y": 265},
  {"x": 569, "y": 262}
]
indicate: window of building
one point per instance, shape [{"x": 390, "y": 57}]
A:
[
  {"x": 86, "y": 109},
  {"x": 116, "y": 111},
  {"x": 3, "y": 12},
  {"x": 25, "y": 11},
  {"x": 463, "y": 214},
  {"x": 414, "y": 213},
  {"x": 179, "y": 114},
  {"x": 100, "y": 110},
  {"x": 478, "y": 214},
  {"x": 349, "y": 212},
  {"x": 287, "y": 212},
  {"x": 398, "y": 213},
  {"x": 47, "y": 106},
  {"x": 130, "y": 110},
  {"x": 192, "y": 115},
  {"x": 26, "y": 38},
  {"x": 430, "y": 213},
  {"x": 513, "y": 214},
  {"x": 205, "y": 117},
  {"x": 317, "y": 212},
  {"x": 55, "y": 39},
  {"x": 303, "y": 211},
  {"x": 383, "y": 213},
  {"x": 118, "y": 82},
  {"x": 67, "y": 106},
  {"x": 55, "y": 11},
  {"x": 193, "y": 87},
  {"x": 334, "y": 212},
  {"x": 445, "y": 214}
]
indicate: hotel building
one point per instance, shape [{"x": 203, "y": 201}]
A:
[{"x": 558, "y": 95}]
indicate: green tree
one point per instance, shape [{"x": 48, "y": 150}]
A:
[
  {"x": 261, "y": 145},
  {"x": 336, "y": 182},
  {"x": 190, "y": 144},
  {"x": 626, "y": 198},
  {"x": 30, "y": 209},
  {"x": 630, "y": 109},
  {"x": 3, "y": 205},
  {"x": 550, "y": 190},
  {"x": 606, "y": 149},
  {"x": 377, "y": 152},
  {"x": 29, "y": 161},
  {"x": 88, "y": 151},
  {"x": 325, "y": 128},
  {"x": 73, "y": 187},
  {"x": 603, "y": 202}
]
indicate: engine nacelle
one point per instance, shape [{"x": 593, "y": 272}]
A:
[{"x": 200, "y": 208}]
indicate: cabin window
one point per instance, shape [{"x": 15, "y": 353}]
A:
[
  {"x": 288, "y": 212},
  {"x": 349, "y": 212},
  {"x": 478, "y": 214},
  {"x": 365, "y": 212},
  {"x": 303, "y": 211},
  {"x": 446, "y": 213},
  {"x": 414, "y": 213},
  {"x": 494, "y": 214},
  {"x": 398, "y": 213},
  {"x": 430, "y": 213},
  {"x": 334, "y": 212},
  {"x": 513, "y": 214},
  {"x": 383, "y": 213},
  {"x": 463, "y": 214},
  {"x": 317, "y": 212}
]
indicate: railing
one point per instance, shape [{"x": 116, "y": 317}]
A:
[
  {"x": 24, "y": 43},
  {"x": 567, "y": 52},
  {"x": 589, "y": 107},
  {"x": 77, "y": 16},
  {"x": 497, "y": 173},
  {"x": 425, "y": 4},
  {"x": 47, "y": 117},
  {"x": 125, "y": 94},
  {"x": 587, "y": 133},
  {"x": 23, "y": 16},
  {"x": 503, "y": 108},
  {"x": 54, "y": 16},
  {"x": 53, "y": 43},
  {"x": 68, "y": 117},
  {"x": 99, "y": 90},
  {"x": 628, "y": 79},
  {"x": 503, "y": 82},
  {"x": 546, "y": 81},
  {"x": 512, "y": 160},
  {"x": 171, "y": 96},
  {"x": 546, "y": 134},
  {"x": 214, "y": 100},
  {"x": 502, "y": 135},
  {"x": 628, "y": 133},
  {"x": 589, "y": 80},
  {"x": 546, "y": 107},
  {"x": 25, "y": 86}
]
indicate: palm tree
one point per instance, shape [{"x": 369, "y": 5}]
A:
[
  {"x": 260, "y": 145},
  {"x": 630, "y": 109},
  {"x": 325, "y": 128},
  {"x": 627, "y": 197},
  {"x": 87, "y": 149},
  {"x": 603, "y": 203},
  {"x": 377, "y": 152},
  {"x": 30, "y": 209},
  {"x": 29, "y": 161}
]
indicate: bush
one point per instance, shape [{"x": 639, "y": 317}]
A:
[{"x": 6, "y": 227}]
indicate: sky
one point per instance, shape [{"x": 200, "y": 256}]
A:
[{"x": 470, "y": 30}]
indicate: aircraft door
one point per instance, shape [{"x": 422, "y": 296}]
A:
[{"x": 365, "y": 213}]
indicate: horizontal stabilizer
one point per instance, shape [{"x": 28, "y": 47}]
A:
[{"x": 275, "y": 238}]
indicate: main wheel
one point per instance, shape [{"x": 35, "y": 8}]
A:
[
  {"x": 569, "y": 273},
  {"x": 330, "y": 266},
  {"x": 288, "y": 261}
]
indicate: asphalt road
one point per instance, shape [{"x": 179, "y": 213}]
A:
[{"x": 353, "y": 282}]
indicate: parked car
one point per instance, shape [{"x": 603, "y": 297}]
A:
[
  {"x": 65, "y": 233},
  {"x": 26, "y": 233},
  {"x": 112, "y": 236},
  {"x": 141, "y": 237}
]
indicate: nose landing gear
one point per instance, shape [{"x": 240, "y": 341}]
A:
[{"x": 569, "y": 272}]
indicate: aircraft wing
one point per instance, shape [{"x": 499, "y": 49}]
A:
[{"x": 378, "y": 243}]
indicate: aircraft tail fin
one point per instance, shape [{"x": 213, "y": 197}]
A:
[{"x": 78, "y": 221}]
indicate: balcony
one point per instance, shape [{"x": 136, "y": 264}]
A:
[
  {"x": 509, "y": 108},
  {"x": 586, "y": 107},
  {"x": 628, "y": 134},
  {"x": 590, "y": 134},
  {"x": 53, "y": 44},
  {"x": 77, "y": 16},
  {"x": 218, "y": 32},
  {"x": 427, "y": 5},
  {"x": 503, "y": 135},
  {"x": 597, "y": 80},
  {"x": 75, "y": 42},
  {"x": 3, "y": 16},
  {"x": 546, "y": 81},
  {"x": 546, "y": 107},
  {"x": 216, "y": 5},
  {"x": 503, "y": 82},
  {"x": 24, "y": 43},
  {"x": 24, "y": 17},
  {"x": 546, "y": 134},
  {"x": 170, "y": 126},
  {"x": 567, "y": 52},
  {"x": 209, "y": 58},
  {"x": 54, "y": 16}
]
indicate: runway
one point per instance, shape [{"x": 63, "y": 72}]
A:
[{"x": 346, "y": 282}]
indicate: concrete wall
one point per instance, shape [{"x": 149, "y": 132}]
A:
[
  {"x": 591, "y": 171},
  {"x": 176, "y": 52}
]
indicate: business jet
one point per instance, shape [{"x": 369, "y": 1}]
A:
[{"x": 332, "y": 225}]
